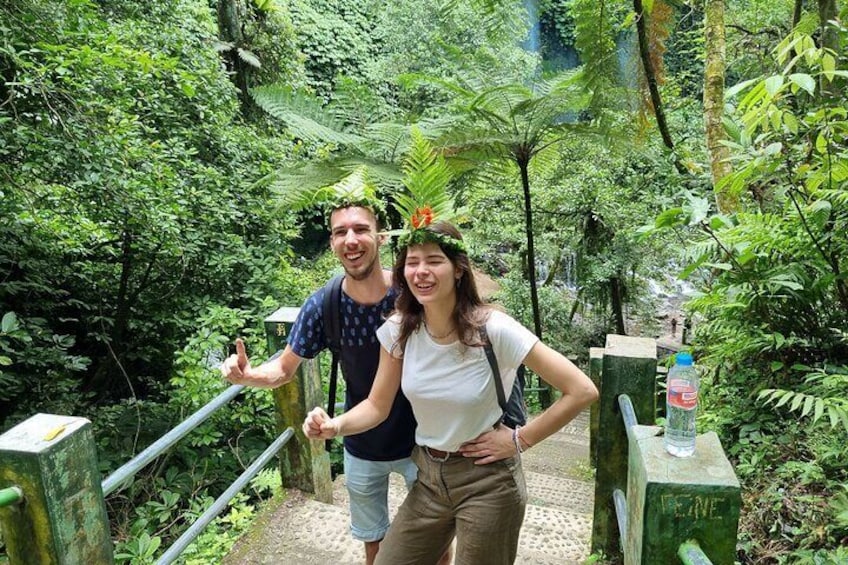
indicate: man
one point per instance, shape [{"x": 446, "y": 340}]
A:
[{"x": 367, "y": 297}]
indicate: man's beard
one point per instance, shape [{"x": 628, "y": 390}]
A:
[{"x": 364, "y": 273}]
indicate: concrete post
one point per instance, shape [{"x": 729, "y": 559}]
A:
[
  {"x": 304, "y": 464},
  {"x": 629, "y": 367},
  {"x": 671, "y": 500},
  {"x": 596, "y": 359},
  {"x": 62, "y": 519}
]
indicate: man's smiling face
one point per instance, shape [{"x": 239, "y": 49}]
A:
[{"x": 354, "y": 240}]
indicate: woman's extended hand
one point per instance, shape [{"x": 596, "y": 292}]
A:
[
  {"x": 319, "y": 425},
  {"x": 490, "y": 446}
]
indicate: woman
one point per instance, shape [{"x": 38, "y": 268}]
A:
[{"x": 470, "y": 482}]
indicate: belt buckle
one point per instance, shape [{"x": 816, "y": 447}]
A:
[{"x": 434, "y": 458}]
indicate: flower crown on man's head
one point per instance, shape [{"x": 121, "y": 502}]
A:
[{"x": 426, "y": 200}]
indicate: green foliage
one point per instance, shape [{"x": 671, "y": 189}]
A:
[
  {"x": 334, "y": 37},
  {"x": 127, "y": 186},
  {"x": 826, "y": 394},
  {"x": 773, "y": 301},
  {"x": 596, "y": 24}
]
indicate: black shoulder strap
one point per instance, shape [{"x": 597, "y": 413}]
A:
[
  {"x": 331, "y": 311},
  {"x": 493, "y": 363}
]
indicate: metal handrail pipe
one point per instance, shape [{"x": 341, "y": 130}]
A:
[
  {"x": 690, "y": 553},
  {"x": 138, "y": 462},
  {"x": 627, "y": 412},
  {"x": 11, "y": 495},
  {"x": 620, "y": 502},
  {"x": 221, "y": 502}
]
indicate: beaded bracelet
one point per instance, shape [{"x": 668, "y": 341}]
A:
[{"x": 517, "y": 441}]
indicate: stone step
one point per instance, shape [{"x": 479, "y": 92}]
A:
[
  {"x": 557, "y": 492},
  {"x": 564, "y": 453},
  {"x": 301, "y": 531},
  {"x": 296, "y": 530}
]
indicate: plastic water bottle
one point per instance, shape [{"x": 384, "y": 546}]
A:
[{"x": 681, "y": 406}]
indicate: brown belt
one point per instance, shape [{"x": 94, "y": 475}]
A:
[{"x": 441, "y": 455}]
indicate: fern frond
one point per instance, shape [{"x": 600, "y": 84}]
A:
[
  {"x": 304, "y": 114},
  {"x": 249, "y": 57},
  {"x": 499, "y": 16},
  {"x": 835, "y": 407},
  {"x": 358, "y": 105},
  {"x": 426, "y": 178},
  {"x": 595, "y": 28}
]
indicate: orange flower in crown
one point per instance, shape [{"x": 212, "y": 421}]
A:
[{"x": 422, "y": 217}]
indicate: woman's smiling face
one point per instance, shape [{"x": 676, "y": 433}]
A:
[{"x": 429, "y": 273}]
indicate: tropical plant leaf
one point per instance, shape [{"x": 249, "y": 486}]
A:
[
  {"x": 249, "y": 57},
  {"x": 304, "y": 114}
]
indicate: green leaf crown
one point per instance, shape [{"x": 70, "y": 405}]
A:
[{"x": 426, "y": 199}]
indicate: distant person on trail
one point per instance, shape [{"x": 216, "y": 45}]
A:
[
  {"x": 367, "y": 298},
  {"x": 433, "y": 348}
]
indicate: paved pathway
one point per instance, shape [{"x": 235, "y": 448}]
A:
[{"x": 296, "y": 530}]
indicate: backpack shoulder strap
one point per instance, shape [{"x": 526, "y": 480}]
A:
[
  {"x": 331, "y": 312},
  {"x": 493, "y": 363}
]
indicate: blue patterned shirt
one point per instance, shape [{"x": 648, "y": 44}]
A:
[{"x": 360, "y": 356}]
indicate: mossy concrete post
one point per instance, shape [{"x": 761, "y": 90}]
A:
[
  {"x": 596, "y": 359},
  {"x": 671, "y": 500},
  {"x": 629, "y": 367},
  {"x": 304, "y": 464},
  {"x": 62, "y": 519}
]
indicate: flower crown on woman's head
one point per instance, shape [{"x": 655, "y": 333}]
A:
[{"x": 426, "y": 200}]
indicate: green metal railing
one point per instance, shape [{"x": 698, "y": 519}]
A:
[
  {"x": 30, "y": 544},
  {"x": 154, "y": 450},
  {"x": 10, "y": 496},
  {"x": 222, "y": 501}
]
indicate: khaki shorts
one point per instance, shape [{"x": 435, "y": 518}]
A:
[{"x": 482, "y": 505}]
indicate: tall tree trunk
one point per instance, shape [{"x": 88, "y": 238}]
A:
[
  {"x": 230, "y": 31},
  {"x": 545, "y": 398},
  {"x": 829, "y": 40},
  {"x": 829, "y": 34},
  {"x": 714, "y": 103},
  {"x": 650, "y": 72},
  {"x": 617, "y": 302},
  {"x": 796, "y": 12},
  {"x": 553, "y": 270},
  {"x": 523, "y": 165}
]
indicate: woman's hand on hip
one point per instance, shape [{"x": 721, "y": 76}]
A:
[{"x": 490, "y": 446}]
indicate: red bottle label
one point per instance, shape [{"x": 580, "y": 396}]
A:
[{"x": 681, "y": 394}]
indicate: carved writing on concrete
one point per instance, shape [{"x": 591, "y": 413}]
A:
[{"x": 695, "y": 506}]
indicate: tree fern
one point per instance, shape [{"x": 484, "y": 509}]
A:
[
  {"x": 595, "y": 29},
  {"x": 352, "y": 188},
  {"x": 426, "y": 178},
  {"x": 304, "y": 115}
]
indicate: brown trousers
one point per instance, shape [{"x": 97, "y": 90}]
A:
[{"x": 482, "y": 505}]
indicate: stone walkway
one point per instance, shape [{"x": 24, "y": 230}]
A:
[{"x": 296, "y": 530}]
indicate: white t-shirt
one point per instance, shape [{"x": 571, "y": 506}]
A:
[{"x": 451, "y": 387}]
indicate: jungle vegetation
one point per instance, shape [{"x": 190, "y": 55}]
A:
[{"x": 603, "y": 149}]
